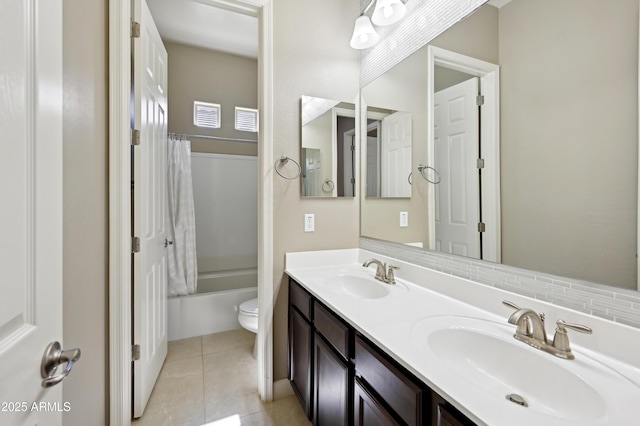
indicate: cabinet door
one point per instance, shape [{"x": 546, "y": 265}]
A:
[
  {"x": 367, "y": 409},
  {"x": 331, "y": 386},
  {"x": 444, "y": 414},
  {"x": 300, "y": 336}
]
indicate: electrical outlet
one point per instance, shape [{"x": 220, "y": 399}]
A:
[
  {"x": 309, "y": 222},
  {"x": 404, "y": 219}
]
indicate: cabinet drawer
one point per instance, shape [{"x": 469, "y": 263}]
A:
[
  {"x": 300, "y": 298},
  {"x": 332, "y": 328},
  {"x": 397, "y": 389}
]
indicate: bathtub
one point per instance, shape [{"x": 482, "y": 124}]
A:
[{"x": 214, "y": 308}]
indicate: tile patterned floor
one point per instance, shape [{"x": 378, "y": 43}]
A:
[{"x": 210, "y": 378}]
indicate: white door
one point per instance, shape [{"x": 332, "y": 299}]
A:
[
  {"x": 31, "y": 208},
  {"x": 149, "y": 207},
  {"x": 456, "y": 152},
  {"x": 396, "y": 155}
]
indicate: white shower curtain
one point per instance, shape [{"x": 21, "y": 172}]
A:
[{"x": 181, "y": 255}]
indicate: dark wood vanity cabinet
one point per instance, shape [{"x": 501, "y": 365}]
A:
[
  {"x": 341, "y": 378},
  {"x": 444, "y": 414},
  {"x": 300, "y": 341},
  {"x": 403, "y": 396},
  {"x": 333, "y": 369}
]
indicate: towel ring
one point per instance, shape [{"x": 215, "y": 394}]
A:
[
  {"x": 409, "y": 178},
  {"x": 284, "y": 160},
  {"x": 422, "y": 168},
  {"x": 329, "y": 183}
]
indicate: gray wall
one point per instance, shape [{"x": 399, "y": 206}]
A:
[
  {"x": 569, "y": 137},
  {"x": 311, "y": 57},
  {"x": 85, "y": 219},
  {"x": 211, "y": 76}
]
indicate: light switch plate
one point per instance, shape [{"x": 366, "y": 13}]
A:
[
  {"x": 309, "y": 222},
  {"x": 404, "y": 219}
]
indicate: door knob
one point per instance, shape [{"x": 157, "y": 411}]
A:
[
  {"x": 52, "y": 358},
  {"x": 167, "y": 242}
]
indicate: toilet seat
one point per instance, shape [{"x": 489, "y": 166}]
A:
[
  {"x": 250, "y": 307},
  {"x": 248, "y": 315}
]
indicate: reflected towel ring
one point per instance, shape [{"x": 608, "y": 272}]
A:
[
  {"x": 329, "y": 183},
  {"x": 409, "y": 178},
  {"x": 284, "y": 160},
  {"x": 422, "y": 168}
]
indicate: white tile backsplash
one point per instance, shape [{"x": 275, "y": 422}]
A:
[{"x": 615, "y": 304}]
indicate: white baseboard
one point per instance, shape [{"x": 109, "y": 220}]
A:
[{"x": 282, "y": 388}]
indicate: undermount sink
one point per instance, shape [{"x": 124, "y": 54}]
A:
[
  {"x": 484, "y": 355},
  {"x": 357, "y": 283}
]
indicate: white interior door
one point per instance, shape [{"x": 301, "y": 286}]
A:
[
  {"x": 31, "y": 212},
  {"x": 456, "y": 153},
  {"x": 149, "y": 207},
  {"x": 396, "y": 155}
]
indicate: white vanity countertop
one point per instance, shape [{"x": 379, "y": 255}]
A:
[{"x": 421, "y": 292}]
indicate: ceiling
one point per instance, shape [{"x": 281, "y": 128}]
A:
[{"x": 203, "y": 23}]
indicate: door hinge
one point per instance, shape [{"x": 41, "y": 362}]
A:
[
  {"x": 135, "y": 29},
  {"x": 480, "y": 163},
  {"x": 481, "y": 227},
  {"x": 480, "y": 100},
  {"x": 353, "y": 181},
  {"x": 135, "y": 245},
  {"x": 135, "y": 352},
  {"x": 135, "y": 137}
]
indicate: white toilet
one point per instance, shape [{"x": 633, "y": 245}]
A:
[{"x": 248, "y": 318}]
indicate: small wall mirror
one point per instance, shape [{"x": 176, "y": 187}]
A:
[{"x": 328, "y": 148}]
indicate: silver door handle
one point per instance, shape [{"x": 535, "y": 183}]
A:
[
  {"x": 167, "y": 242},
  {"x": 52, "y": 358}
]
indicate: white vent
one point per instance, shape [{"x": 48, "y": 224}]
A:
[
  {"x": 206, "y": 115},
  {"x": 246, "y": 119}
]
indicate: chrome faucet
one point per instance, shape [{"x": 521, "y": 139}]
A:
[
  {"x": 530, "y": 330},
  {"x": 384, "y": 273}
]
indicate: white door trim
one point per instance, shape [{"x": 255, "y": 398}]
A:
[
  {"x": 120, "y": 204},
  {"x": 489, "y": 75}
]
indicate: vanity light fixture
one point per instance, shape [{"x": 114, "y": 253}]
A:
[
  {"x": 386, "y": 12},
  {"x": 364, "y": 35}
]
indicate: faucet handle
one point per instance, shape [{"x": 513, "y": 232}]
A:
[
  {"x": 391, "y": 279},
  {"x": 561, "y": 339},
  {"x": 511, "y": 305},
  {"x": 563, "y": 325}
]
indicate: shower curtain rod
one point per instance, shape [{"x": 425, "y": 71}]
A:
[{"x": 218, "y": 138}]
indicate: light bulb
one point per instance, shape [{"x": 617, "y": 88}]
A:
[{"x": 388, "y": 12}]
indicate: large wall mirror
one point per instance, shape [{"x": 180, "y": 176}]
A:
[
  {"x": 328, "y": 148},
  {"x": 566, "y": 160}
]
